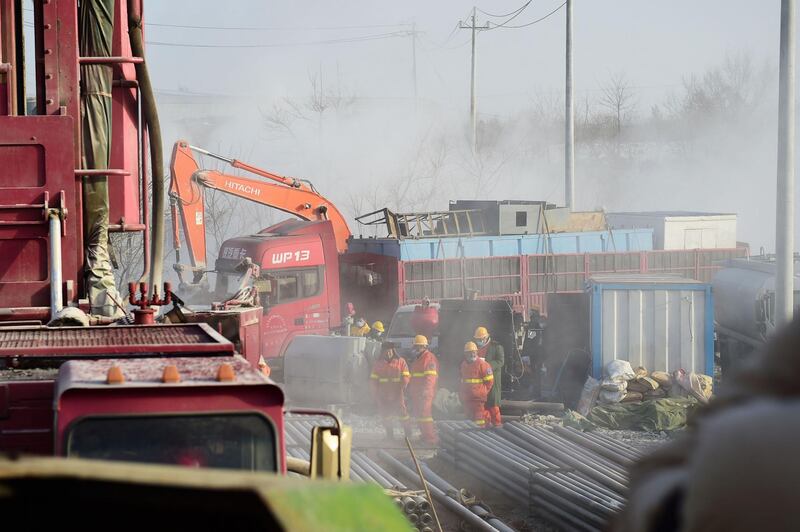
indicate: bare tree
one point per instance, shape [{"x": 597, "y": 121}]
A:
[
  {"x": 286, "y": 112},
  {"x": 320, "y": 99},
  {"x": 128, "y": 258},
  {"x": 282, "y": 117},
  {"x": 726, "y": 92},
  {"x": 617, "y": 97}
]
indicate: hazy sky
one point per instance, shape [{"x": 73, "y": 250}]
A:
[
  {"x": 654, "y": 43},
  {"x": 365, "y": 47}
]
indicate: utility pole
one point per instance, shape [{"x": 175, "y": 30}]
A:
[
  {"x": 473, "y": 98},
  {"x": 569, "y": 122},
  {"x": 784, "y": 233}
]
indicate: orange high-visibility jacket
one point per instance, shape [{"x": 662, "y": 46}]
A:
[
  {"x": 476, "y": 380},
  {"x": 389, "y": 379},
  {"x": 424, "y": 375}
]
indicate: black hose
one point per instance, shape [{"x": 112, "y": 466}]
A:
[{"x": 150, "y": 113}]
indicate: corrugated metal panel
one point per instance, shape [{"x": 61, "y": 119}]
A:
[{"x": 661, "y": 326}]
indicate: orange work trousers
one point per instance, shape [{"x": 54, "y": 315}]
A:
[
  {"x": 494, "y": 416},
  {"x": 422, "y": 413},
  {"x": 476, "y": 411}
]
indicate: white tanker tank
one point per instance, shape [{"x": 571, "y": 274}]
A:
[{"x": 744, "y": 304}]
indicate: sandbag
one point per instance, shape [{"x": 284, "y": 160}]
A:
[
  {"x": 619, "y": 370},
  {"x": 640, "y": 371},
  {"x": 613, "y": 386},
  {"x": 694, "y": 384},
  {"x": 589, "y": 394},
  {"x": 611, "y": 397},
  {"x": 662, "y": 378},
  {"x": 658, "y": 393},
  {"x": 633, "y": 397},
  {"x": 636, "y": 386},
  {"x": 642, "y": 384}
]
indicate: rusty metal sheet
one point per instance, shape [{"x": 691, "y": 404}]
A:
[
  {"x": 100, "y": 342},
  {"x": 37, "y": 169}
]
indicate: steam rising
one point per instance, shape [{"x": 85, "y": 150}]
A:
[{"x": 343, "y": 116}]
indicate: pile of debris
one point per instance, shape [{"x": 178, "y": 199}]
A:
[
  {"x": 623, "y": 384},
  {"x": 574, "y": 479}
]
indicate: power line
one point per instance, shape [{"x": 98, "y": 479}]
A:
[
  {"x": 275, "y": 28},
  {"x": 362, "y": 38},
  {"x": 503, "y": 16},
  {"x": 518, "y": 13},
  {"x": 531, "y": 23}
]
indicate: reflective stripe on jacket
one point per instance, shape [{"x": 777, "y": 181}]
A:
[
  {"x": 477, "y": 379},
  {"x": 389, "y": 379},
  {"x": 424, "y": 376}
]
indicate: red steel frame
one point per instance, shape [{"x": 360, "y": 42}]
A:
[
  {"x": 40, "y": 155},
  {"x": 526, "y": 300}
]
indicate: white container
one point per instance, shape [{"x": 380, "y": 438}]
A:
[
  {"x": 660, "y": 322},
  {"x": 681, "y": 230}
]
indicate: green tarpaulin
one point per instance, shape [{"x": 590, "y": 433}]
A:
[
  {"x": 96, "y": 28},
  {"x": 651, "y": 416}
]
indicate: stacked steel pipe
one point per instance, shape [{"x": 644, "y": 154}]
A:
[
  {"x": 362, "y": 469},
  {"x": 574, "y": 479}
]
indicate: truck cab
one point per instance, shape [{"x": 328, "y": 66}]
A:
[
  {"x": 403, "y": 328},
  {"x": 214, "y": 411},
  {"x": 157, "y": 393},
  {"x": 299, "y": 280}
]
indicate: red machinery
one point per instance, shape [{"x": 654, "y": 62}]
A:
[
  {"x": 41, "y": 171},
  {"x": 297, "y": 260},
  {"x": 59, "y": 389},
  {"x": 72, "y": 170}
]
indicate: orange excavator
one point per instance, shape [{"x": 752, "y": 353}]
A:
[
  {"x": 288, "y": 194},
  {"x": 270, "y": 286}
]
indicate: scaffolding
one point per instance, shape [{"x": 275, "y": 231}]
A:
[{"x": 458, "y": 223}]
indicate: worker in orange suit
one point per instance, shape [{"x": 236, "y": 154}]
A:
[
  {"x": 477, "y": 380},
  {"x": 492, "y": 352},
  {"x": 388, "y": 382},
  {"x": 424, "y": 376}
]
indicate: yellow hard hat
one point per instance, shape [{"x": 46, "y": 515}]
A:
[
  {"x": 420, "y": 340},
  {"x": 378, "y": 326},
  {"x": 481, "y": 333},
  {"x": 470, "y": 346}
]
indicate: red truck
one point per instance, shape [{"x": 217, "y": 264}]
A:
[{"x": 174, "y": 394}]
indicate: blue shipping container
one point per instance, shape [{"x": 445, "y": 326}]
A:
[
  {"x": 617, "y": 240},
  {"x": 659, "y": 322}
]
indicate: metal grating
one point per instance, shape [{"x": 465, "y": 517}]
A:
[{"x": 99, "y": 341}]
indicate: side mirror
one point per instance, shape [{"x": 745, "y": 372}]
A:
[
  {"x": 330, "y": 446},
  {"x": 330, "y": 452}
]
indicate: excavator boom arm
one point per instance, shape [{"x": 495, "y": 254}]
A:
[{"x": 287, "y": 194}]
